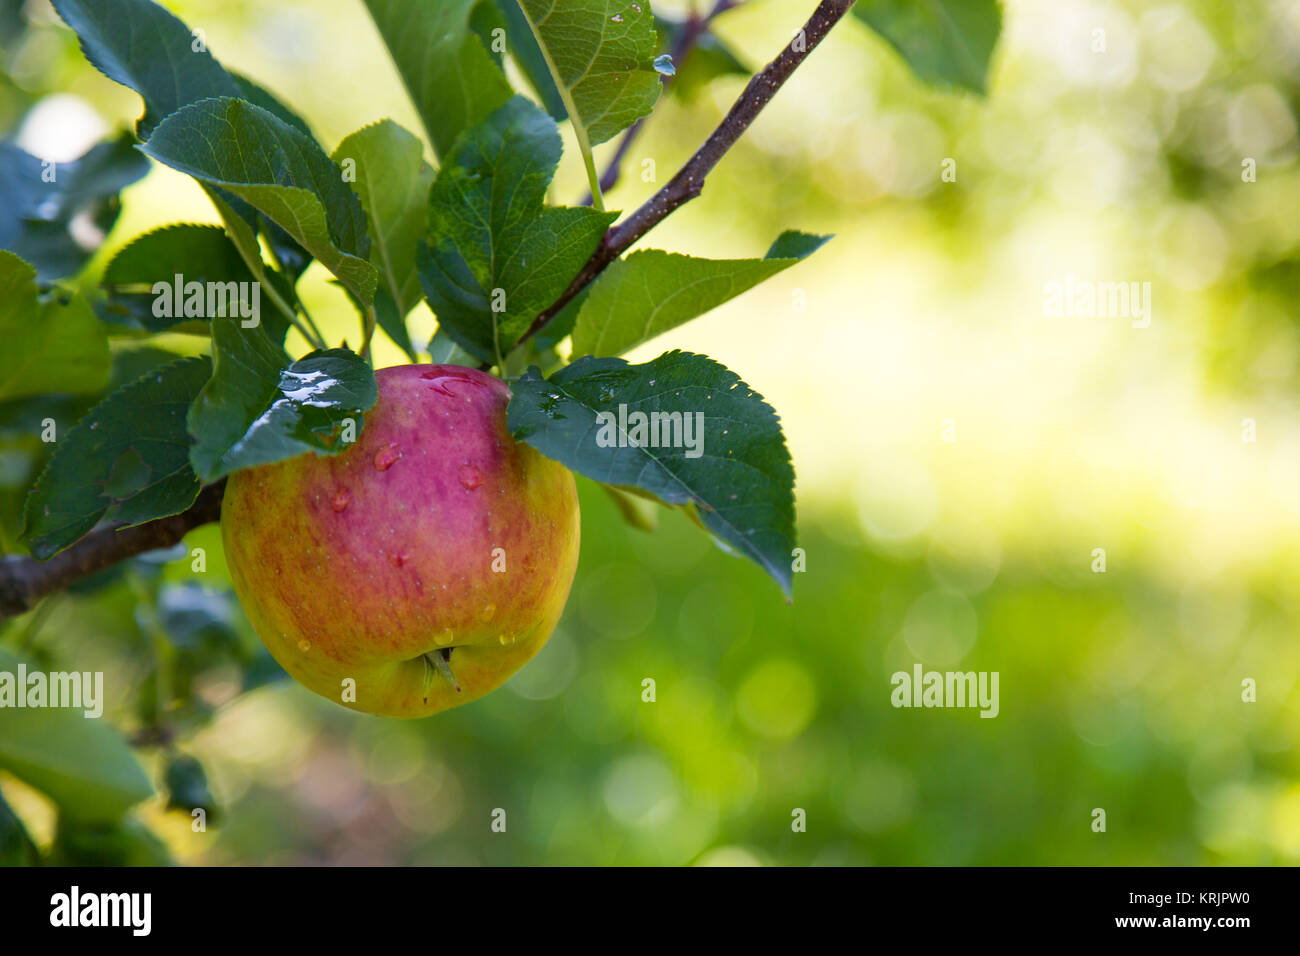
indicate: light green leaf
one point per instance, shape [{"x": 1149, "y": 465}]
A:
[
  {"x": 447, "y": 70},
  {"x": 234, "y": 146},
  {"x": 443, "y": 350},
  {"x": 498, "y": 256},
  {"x": 51, "y": 345},
  {"x": 943, "y": 41},
  {"x": 127, "y": 460},
  {"x": 650, "y": 292},
  {"x": 601, "y": 54},
  {"x": 81, "y": 764},
  {"x": 392, "y": 181}
]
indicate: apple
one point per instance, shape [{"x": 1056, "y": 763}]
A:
[{"x": 419, "y": 568}]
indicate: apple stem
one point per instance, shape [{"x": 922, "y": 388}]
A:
[{"x": 440, "y": 661}]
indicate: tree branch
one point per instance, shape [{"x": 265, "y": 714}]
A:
[
  {"x": 24, "y": 581},
  {"x": 689, "y": 180}
]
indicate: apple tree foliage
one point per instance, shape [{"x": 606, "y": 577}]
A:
[{"x": 468, "y": 226}]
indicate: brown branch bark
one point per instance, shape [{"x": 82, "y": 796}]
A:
[
  {"x": 689, "y": 180},
  {"x": 24, "y": 581}
]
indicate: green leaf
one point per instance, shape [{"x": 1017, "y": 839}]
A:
[
  {"x": 187, "y": 787},
  {"x": 80, "y": 764},
  {"x": 498, "y": 255},
  {"x": 447, "y": 70},
  {"x": 638, "y": 512},
  {"x": 650, "y": 292},
  {"x": 530, "y": 59},
  {"x": 243, "y": 149},
  {"x": 46, "y": 208},
  {"x": 943, "y": 41},
  {"x": 443, "y": 350},
  {"x": 16, "y": 846},
  {"x": 259, "y": 95},
  {"x": 724, "y": 455},
  {"x": 51, "y": 345},
  {"x": 601, "y": 54},
  {"x": 196, "y": 253},
  {"x": 259, "y": 407},
  {"x": 127, "y": 460},
  {"x": 142, "y": 46},
  {"x": 392, "y": 182},
  {"x": 124, "y": 842}
]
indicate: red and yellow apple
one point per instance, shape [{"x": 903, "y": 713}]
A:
[{"x": 419, "y": 568}]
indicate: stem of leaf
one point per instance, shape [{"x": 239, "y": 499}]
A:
[
  {"x": 368, "y": 333},
  {"x": 289, "y": 313}
]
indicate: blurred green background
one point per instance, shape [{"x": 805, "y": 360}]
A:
[{"x": 959, "y": 457}]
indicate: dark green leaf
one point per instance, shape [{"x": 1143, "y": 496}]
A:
[
  {"x": 142, "y": 46},
  {"x": 57, "y": 224},
  {"x": 723, "y": 454},
  {"x": 196, "y": 253},
  {"x": 240, "y": 148},
  {"x": 54, "y": 344},
  {"x": 260, "y": 407},
  {"x": 260, "y": 96},
  {"x": 602, "y": 54},
  {"x": 126, "y": 842},
  {"x": 943, "y": 41},
  {"x": 498, "y": 256},
  {"x": 187, "y": 787},
  {"x": 127, "y": 460},
  {"x": 532, "y": 62},
  {"x": 650, "y": 292},
  {"x": 447, "y": 70},
  {"x": 80, "y": 764}
]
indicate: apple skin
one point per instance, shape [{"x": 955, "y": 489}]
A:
[{"x": 357, "y": 565}]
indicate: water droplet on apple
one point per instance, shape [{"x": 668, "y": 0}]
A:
[
  {"x": 385, "y": 457},
  {"x": 304, "y": 645},
  {"x": 470, "y": 476},
  {"x": 445, "y": 638},
  {"x": 398, "y": 558},
  {"x": 340, "y": 499},
  {"x": 486, "y": 614}
]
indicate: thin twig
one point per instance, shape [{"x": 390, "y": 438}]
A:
[
  {"x": 24, "y": 581},
  {"x": 689, "y": 180}
]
